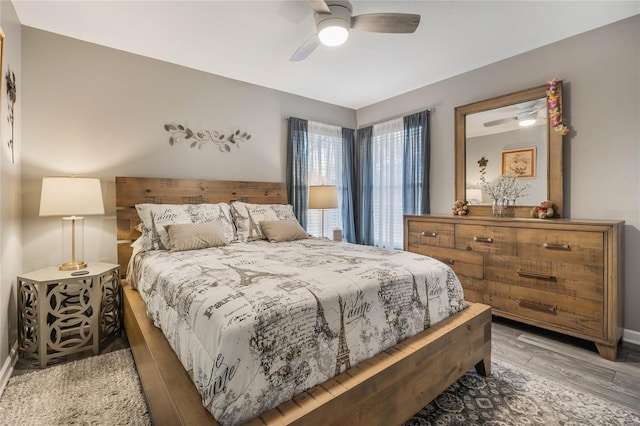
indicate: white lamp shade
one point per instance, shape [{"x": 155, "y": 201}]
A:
[
  {"x": 323, "y": 197},
  {"x": 71, "y": 196},
  {"x": 474, "y": 195}
]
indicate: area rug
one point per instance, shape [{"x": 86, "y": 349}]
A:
[
  {"x": 99, "y": 390},
  {"x": 512, "y": 396},
  {"x": 105, "y": 390}
]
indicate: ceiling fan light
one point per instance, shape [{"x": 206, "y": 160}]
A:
[
  {"x": 527, "y": 122},
  {"x": 333, "y": 35}
]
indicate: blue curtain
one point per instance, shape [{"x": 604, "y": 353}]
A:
[
  {"x": 364, "y": 184},
  {"x": 348, "y": 185},
  {"x": 415, "y": 184},
  {"x": 298, "y": 167}
]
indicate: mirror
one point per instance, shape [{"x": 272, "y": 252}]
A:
[{"x": 493, "y": 138}]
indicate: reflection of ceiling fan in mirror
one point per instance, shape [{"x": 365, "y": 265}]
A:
[
  {"x": 334, "y": 20},
  {"x": 525, "y": 114}
]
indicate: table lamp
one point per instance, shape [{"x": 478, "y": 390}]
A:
[
  {"x": 323, "y": 197},
  {"x": 72, "y": 198},
  {"x": 474, "y": 195}
]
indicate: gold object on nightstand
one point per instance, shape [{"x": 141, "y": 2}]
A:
[{"x": 62, "y": 313}]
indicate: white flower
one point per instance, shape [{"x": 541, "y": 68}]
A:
[{"x": 506, "y": 187}]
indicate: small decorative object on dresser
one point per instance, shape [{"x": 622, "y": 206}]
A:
[
  {"x": 564, "y": 275},
  {"x": 460, "y": 208},
  {"x": 60, "y": 313},
  {"x": 544, "y": 210}
]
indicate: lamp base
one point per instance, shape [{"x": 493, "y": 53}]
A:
[{"x": 72, "y": 266}]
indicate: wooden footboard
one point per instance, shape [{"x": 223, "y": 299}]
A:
[{"x": 384, "y": 390}]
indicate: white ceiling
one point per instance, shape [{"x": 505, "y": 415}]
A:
[{"x": 252, "y": 41}]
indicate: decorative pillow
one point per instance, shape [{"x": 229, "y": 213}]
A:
[
  {"x": 155, "y": 217},
  {"x": 247, "y": 218},
  {"x": 192, "y": 236},
  {"x": 283, "y": 230}
]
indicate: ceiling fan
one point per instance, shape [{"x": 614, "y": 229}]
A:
[
  {"x": 525, "y": 114},
  {"x": 334, "y": 20}
]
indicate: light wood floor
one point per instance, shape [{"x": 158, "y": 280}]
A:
[
  {"x": 572, "y": 361},
  {"x": 569, "y": 360}
]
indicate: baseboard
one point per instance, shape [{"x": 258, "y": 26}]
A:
[
  {"x": 7, "y": 367},
  {"x": 631, "y": 336}
]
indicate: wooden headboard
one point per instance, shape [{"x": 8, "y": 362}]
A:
[{"x": 137, "y": 190}]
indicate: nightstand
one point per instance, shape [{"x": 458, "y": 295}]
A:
[{"x": 60, "y": 314}]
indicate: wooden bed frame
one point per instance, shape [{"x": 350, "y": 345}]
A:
[{"x": 384, "y": 390}]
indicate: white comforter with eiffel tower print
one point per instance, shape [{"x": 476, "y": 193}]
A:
[{"x": 256, "y": 323}]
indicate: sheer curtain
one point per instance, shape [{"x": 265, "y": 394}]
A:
[
  {"x": 325, "y": 167},
  {"x": 387, "y": 154}
]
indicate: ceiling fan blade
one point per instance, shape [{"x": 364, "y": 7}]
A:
[
  {"x": 386, "y": 22},
  {"x": 319, "y": 6},
  {"x": 306, "y": 49},
  {"x": 500, "y": 121}
]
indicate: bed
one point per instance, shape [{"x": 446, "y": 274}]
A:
[{"x": 384, "y": 389}]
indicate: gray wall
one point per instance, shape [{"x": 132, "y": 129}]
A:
[
  {"x": 100, "y": 112},
  {"x": 600, "y": 70},
  {"x": 10, "y": 193}
]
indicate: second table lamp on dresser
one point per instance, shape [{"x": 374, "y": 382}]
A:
[{"x": 72, "y": 198}]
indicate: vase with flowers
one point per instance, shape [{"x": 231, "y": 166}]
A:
[{"x": 504, "y": 192}]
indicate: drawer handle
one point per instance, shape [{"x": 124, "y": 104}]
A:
[
  {"x": 556, "y": 246},
  {"x": 536, "y": 306},
  {"x": 429, "y": 234},
  {"x": 483, "y": 240},
  {"x": 534, "y": 275}
]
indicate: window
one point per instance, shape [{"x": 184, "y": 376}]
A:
[
  {"x": 325, "y": 168},
  {"x": 387, "y": 156}
]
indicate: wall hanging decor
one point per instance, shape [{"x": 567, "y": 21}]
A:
[
  {"x": 198, "y": 139},
  {"x": 11, "y": 100},
  {"x": 554, "y": 106}
]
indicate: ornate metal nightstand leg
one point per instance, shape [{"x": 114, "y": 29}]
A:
[
  {"x": 111, "y": 306},
  {"x": 28, "y": 319}
]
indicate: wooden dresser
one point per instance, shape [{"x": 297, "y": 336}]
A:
[{"x": 564, "y": 275}]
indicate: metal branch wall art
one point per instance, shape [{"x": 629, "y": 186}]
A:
[
  {"x": 11, "y": 92},
  {"x": 198, "y": 139}
]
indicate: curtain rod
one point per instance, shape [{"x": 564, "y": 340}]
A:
[{"x": 431, "y": 109}]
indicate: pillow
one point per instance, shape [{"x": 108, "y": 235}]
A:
[
  {"x": 155, "y": 217},
  {"x": 283, "y": 230},
  {"x": 247, "y": 218},
  {"x": 192, "y": 236}
]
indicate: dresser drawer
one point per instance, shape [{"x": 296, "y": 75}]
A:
[
  {"x": 474, "y": 289},
  {"x": 497, "y": 240},
  {"x": 462, "y": 262},
  {"x": 577, "y": 247},
  {"x": 422, "y": 233},
  {"x": 577, "y": 280},
  {"x": 548, "y": 308}
]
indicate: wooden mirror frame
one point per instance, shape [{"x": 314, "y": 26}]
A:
[{"x": 554, "y": 150}]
